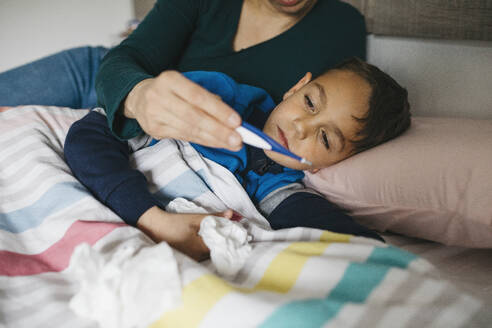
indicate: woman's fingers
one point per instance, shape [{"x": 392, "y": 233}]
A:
[
  {"x": 172, "y": 106},
  {"x": 177, "y": 129},
  {"x": 195, "y": 125},
  {"x": 205, "y": 100},
  {"x": 199, "y": 115}
]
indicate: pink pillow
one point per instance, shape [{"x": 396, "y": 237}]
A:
[{"x": 433, "y": 182}]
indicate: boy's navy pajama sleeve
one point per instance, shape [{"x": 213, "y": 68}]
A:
[
  {"x": 305, "y": 209},
  {"x": 101, "y": 162}
]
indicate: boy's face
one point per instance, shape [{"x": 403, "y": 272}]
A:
[{"x": 315, "y": 121}]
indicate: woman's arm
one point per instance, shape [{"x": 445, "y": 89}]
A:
[
  {"x": 154, "y": 46},
  {"x": 137, "y": 91}
]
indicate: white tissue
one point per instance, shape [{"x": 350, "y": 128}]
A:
[
  {"x": 228, "y": 242},
  {"x": 131, "y": 288}
]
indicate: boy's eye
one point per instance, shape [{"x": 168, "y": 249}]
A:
[
  {"x": 309, "y": 103},
  {"x": 325, "y": 140}
]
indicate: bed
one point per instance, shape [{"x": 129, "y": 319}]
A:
[
  {"x": 435, "y": 32},
  {"x": 66, "y": 260}
]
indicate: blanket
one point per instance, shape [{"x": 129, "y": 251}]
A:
[{"x": 296, "y": 277}]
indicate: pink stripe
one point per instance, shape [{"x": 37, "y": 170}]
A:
[{"x": 57, "y": 257}]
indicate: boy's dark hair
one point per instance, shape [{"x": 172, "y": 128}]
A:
[{"x": 388, "y": 115}]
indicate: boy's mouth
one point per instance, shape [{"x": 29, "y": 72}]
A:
[{"x": 282, "y": 137}]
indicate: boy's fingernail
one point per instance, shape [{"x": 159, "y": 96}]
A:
[
  {"x": 234, "y": 120},
  {"x": 234, "y": 140}
]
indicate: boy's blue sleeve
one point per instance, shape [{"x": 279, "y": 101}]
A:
[
  {"x": 304, "y": 209},
  {"x": 241, "y": 97}
]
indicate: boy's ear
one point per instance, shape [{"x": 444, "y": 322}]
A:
[
  {"x": 313, "y": 171},
  {"x": 302, "y": 82}
]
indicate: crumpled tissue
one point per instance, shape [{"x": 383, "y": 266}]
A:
[
  {"x": 130, "y": 288},
  {"x": 227, "y": 240}
]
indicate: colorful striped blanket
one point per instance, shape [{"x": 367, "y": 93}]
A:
[{"x": 294, "y": 278}]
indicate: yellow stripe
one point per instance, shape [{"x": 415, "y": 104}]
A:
[
  {"x": 283, "y": 271},
  {"x": 335, "y": 237},
  {"x": 202, "y": 294},
  {"x": 199, "y": 297}
]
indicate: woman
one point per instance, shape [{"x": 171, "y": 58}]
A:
[
  {"x": 265, "y": 43},
  {"x": 269, "y": 44}
]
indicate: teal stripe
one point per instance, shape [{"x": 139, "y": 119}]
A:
[
  {"x": 357, "y": 283},
  {"x": 391, "y": 257},
  {"x": 56, "y": 198}
]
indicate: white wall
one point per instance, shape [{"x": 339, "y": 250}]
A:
[
  {"x": 30, "y": 29},
  {"x": 443, "y": 78}
]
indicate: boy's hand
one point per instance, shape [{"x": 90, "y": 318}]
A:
[{"x": 180, "y": 231}]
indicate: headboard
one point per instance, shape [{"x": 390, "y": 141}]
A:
[{"x": 441, "y": 19}]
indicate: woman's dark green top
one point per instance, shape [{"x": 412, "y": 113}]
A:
[{"x": 191, "y": 35}]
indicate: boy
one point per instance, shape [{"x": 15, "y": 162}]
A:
[{"x": 346, "y": 110}]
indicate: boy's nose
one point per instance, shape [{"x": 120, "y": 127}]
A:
[{"x": 300, "y": 127}]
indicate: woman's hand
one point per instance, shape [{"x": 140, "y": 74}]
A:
[
  {"x": 172, "y": 106},
  {"x": 180, "y": 231}
]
